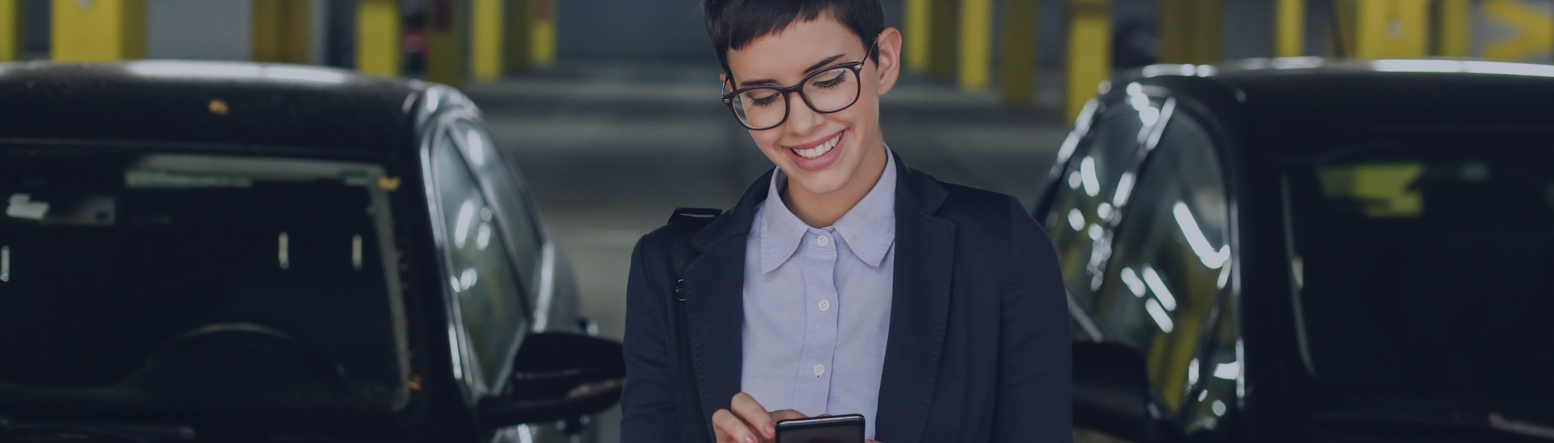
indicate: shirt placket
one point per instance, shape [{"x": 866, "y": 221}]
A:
[{"x": 819, "y": 252}]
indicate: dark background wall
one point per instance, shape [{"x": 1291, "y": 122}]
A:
[
  {"x": 667, "y": 30},
  {"x": 672, "y": 30},
  {"x": 631, "y": 29}
]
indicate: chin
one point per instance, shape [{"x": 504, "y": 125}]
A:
[{"x": 826, "y": 181}]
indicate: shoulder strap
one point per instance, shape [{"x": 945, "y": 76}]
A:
[{"x": 689, "y": 221}]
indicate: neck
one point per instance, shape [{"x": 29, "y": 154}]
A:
[{"x": 820, "y": 211}]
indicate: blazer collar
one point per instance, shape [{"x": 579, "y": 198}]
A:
[{"x": 919, "y": 309}]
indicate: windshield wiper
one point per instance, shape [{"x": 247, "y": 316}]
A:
[
  {"x": 1488, "y": 421},
  {"x": 122, "y": 430}
]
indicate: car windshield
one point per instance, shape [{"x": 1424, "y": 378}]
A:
[
  {"x": 192, "y": 284},
  {"x": 1421, "y": 277}
]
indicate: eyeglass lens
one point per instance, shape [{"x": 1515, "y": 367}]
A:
[{"x": 828, "y": 91}]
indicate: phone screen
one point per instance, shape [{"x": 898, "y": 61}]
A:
[{"x": 835, "y": 429}]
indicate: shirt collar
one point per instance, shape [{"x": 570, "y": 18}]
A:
[{"x": 869, "y": 228}]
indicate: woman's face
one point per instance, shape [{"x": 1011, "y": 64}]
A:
[{"x": 822, "y": 153}]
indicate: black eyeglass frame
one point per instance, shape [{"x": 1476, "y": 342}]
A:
[{"x": 785, "y": 91}]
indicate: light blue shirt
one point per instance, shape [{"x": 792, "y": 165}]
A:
[{"x": 817, "y": 304}]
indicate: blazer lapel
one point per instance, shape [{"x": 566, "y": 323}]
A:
[
  {"x": 925, "y": 248},
  {"x": 714, "y": 285}
]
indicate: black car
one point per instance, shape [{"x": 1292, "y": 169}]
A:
[
  {"x": 1300, "y": 250},
  {"x": 229, "y": 251}
]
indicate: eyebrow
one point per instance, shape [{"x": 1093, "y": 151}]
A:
[{"x": 812, "y": 68}]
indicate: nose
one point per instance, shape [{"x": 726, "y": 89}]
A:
[{"x": 801, "y": 119}]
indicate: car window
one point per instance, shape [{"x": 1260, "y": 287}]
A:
[
  {"x": 487, "y": 293},
  {"x": 1087, "y": 193},
  {"x": 215, "y": 276},
  {"x": 509, "y": 198},
  {"x": 1169, "y": 261},
  {"x": 1428, "y": 262}
]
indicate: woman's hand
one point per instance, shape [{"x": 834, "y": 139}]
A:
[{"x": 746, "y": 421}]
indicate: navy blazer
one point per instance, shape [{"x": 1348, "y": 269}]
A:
[{"x": 978, "y": 348}]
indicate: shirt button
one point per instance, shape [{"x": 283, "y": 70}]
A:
[
  {"x": 819, "y": 370},
  {"x": 822, "y": 240},
  {"x": 825, "y": 305}
]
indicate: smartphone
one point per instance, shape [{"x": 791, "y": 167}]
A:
[{"x": 833, "y": 429}]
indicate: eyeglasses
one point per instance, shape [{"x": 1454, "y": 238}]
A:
[{"x": 826, "y": 91}]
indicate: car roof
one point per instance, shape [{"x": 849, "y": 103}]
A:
[
  {"x": 310, "y": 110},
  {"x": 1310, "y": 106}
]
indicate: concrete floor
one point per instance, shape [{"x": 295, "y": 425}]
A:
[{"x": 610, "y": 149}]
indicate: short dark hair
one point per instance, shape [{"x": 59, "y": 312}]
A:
[{"x": 734, "y": 24}]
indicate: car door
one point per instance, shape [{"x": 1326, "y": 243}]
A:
[{"x": 1159, "y": 261}]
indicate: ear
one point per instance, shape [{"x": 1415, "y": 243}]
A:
[
  {"x": 889, "y": 59},
  {"x": 723, "y": 80}
]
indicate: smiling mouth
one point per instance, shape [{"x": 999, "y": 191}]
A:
[{"x": 819, "y": 150}]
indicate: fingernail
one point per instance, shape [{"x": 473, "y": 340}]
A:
[
  {"x": 771, "y": 430},
  {"x": 749, "y": 439}
]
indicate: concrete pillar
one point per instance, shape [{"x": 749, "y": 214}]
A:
[
  {"x": 1190, "y": 31},
  {"x": 918, "y": 33},
  {"x": 97, "y": 30},
  {"x": 531, "y": 33},
  {"x": 1089, "y": 58},
  {"x": 486, "y": 39},
  {"x": 1390, "y": 28},
  {"x": 283, "y": 31},
  {"x": 517, "y": 40},
  {"x": 12, "y": 28},
  {"x": 1289, "y": 38},
  {"x": 1017, "y": 68},
  {"x": 946, "y": 30},
  {"x": 976, "y": 44},
  {"x": 378, "y": 37},
  {"x": 1453, "y": 28},
  {"x": 542, "y": 35},
  {"x": 445, "y": 57}
]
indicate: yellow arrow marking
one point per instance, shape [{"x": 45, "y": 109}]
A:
[{"x": 1532, "y": 30}]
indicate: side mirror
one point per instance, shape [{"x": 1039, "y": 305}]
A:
[
  {"x": 1111, "y": 391},
  {"x": 558, "y": 376}
]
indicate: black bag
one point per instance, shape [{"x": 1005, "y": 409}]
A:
[{"x": 689, "y": 221}]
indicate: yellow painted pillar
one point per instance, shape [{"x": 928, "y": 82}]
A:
[
  {"x": 283, "y": 31},
  {"x": 946, "y": 30},
  {"x": 531, "y": 37},
  {"x": 12, "y": 28},
  {"x": 97, "y": 30},
  {"x": 1089, "y": 58},
  {"x": 918, "y": 35},
  {"x": 542, "y": 34},
  {"x": 1289, "y": 35},
  {"x": 517, "y": 46},
  {"x": 377, "y": 37},
  {"x": 485, "y": 39},
  {"x": 1190, "y": 31},
  {"x": 1017, "y": 70},
  {"x": 445, "y": 60},
  {"x": 1453, "y": 28},
  {"x": 1391, "y": 28},
  {"x": 976, "y": 44}
]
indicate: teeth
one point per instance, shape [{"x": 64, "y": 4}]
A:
[{"x": 818, "y": 151}]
